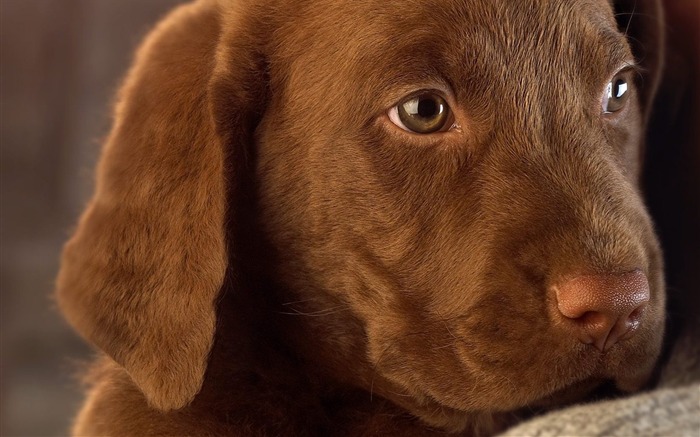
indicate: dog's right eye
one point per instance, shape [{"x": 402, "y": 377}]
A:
[
  {"x": 425, "y": 113},
  {"x": 616, "y": 94}
]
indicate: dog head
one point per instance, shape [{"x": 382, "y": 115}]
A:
[{"x": 459, "y": 178}]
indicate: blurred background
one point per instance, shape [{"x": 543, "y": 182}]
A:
[{"x": 61, "y": 63}]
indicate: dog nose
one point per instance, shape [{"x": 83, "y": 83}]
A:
[{"x": 603, "y": 308}]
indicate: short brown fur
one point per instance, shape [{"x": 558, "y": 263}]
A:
[{"x": 266, "y": 254}]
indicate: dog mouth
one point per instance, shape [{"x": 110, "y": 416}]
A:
[
  {"x": 599, "y": 375},
  {"x": 588, "y": 374},
  {"x": 573, "y": 393},
  {"x": 605, "y": 382},
  {"x": 581, "y": 374}
]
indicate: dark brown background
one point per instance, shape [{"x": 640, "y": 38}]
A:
[{"x": 61, "y": 61}]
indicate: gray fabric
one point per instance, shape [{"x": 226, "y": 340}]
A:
[{"x": 670, "y": 410}]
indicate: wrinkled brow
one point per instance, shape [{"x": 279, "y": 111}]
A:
[{"x": 618, "y": 49}]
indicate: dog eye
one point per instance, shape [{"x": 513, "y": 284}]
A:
[
  {"x": 616, "y": 93},
  {"x": 423, "y": 114}
]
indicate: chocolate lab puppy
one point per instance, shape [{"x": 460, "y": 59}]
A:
[{"x": 372, "y": 217}]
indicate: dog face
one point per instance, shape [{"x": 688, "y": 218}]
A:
[
  {"x": 446, "y": 246},
  {"x": 451, "y": 186}
]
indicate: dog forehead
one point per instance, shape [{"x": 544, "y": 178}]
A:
[
  {"x": 362, "y": 52},
  {"x": 397, "y": 36},
  {"x": 376, "y": 20}
]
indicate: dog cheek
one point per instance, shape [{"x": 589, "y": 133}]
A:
[{"x": 624, "y": 137}]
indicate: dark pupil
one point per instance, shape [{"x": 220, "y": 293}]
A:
[
  {"x": 427, "y": 108},
  {"x": 620, "y": 88}
]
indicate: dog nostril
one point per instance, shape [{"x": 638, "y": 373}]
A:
[{"x": 604, "y": 308}]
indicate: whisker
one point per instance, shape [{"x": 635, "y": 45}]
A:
[
  {"x": 319, "y": 313},
  {"x": 451, "y": 344},
  {"x": 631, "y": 14},
  {"x": 381, "y": 356},
  {"x": 444, "y": 322},
  {"x": 403, "y": 395},
  {"x": 299, "y": 301},
  {"x": 636, "y": 14}
]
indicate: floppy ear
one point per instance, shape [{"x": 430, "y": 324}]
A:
[
  {"x": 141, "y": 276},
  {"x": 643, "y": 23}
]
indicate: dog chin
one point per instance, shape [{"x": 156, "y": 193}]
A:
[
  {"x": 448, "y": 418},
  {"x": 611, "y": 377},
  {"x": 453, "y": 420},
  {"x": 607, "y": 381},
  {"x": 634, "y": 380},
  {"x": 595, "y": 388},
  {"x": 570, "y": 394},
  {"x": 603, "y": 383}
]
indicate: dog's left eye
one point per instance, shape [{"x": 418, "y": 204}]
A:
[
  {"x": 422, "y": 114},
  {"x": 615, "y": 95}
]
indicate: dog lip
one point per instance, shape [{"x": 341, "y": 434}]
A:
[{"x": 571, "y": 392}]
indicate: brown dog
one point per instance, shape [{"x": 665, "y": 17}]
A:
[{"x": 370, "y": 218}]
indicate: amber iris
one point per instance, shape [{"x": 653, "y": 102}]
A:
[
  {"x": 424, "y": 114},
  {"x": 616, "y": 94}
]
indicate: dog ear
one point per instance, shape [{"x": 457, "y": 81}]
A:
[
  {"x": 141, "y": 275},
  {"x": 642, "y": 21}
]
